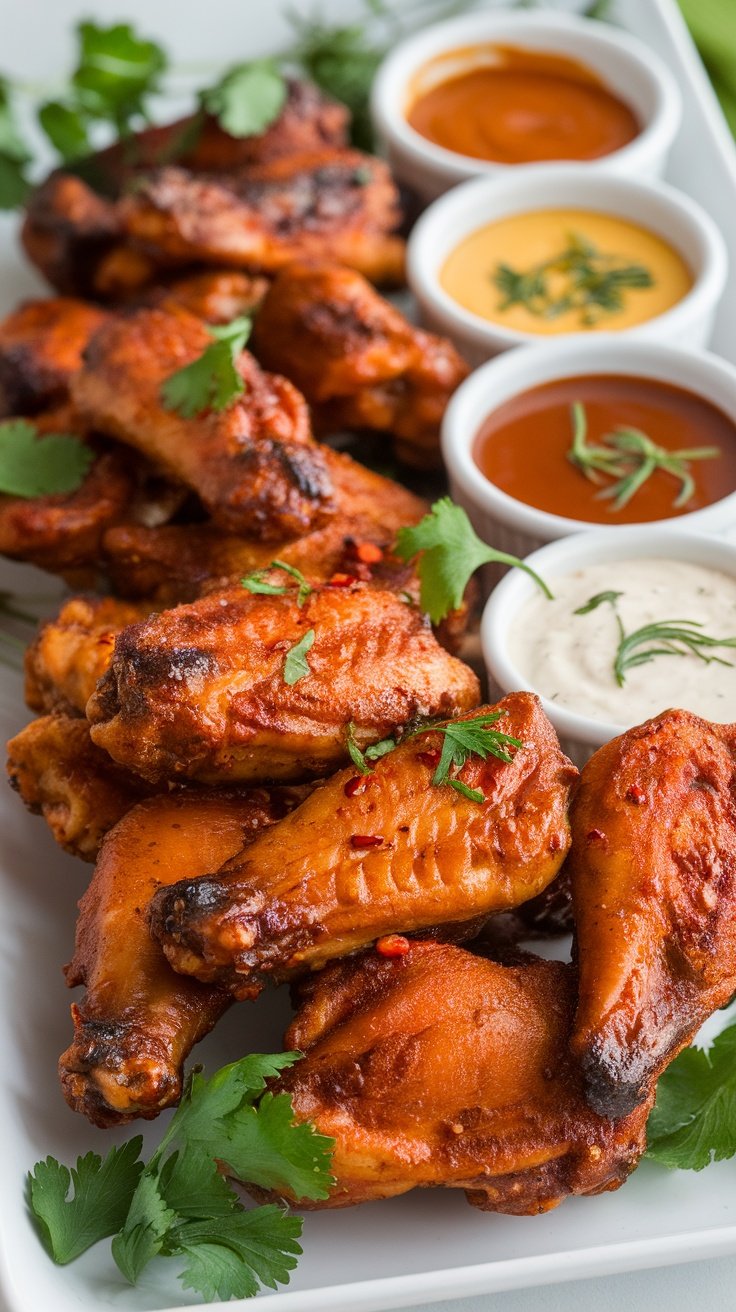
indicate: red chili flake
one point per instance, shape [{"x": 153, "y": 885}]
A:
[
  {"x": 368, "y": 552},
  {"x": 430, "y": 758},
  {"x": 342, "y": 581},
  {"x": 595, "y": 835},
  {"x": 636, "y": 795},
  {"x": 392, "y": 945},
  {"x": 355, "y": 785},
  {"x": 366, "y": 840}
]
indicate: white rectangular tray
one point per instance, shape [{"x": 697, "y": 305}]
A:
[{"x": 428, "y": 1245}]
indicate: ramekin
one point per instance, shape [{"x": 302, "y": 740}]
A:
[
  {"x": 511, "y": 525},
  {"x": 580, "y": 735},
  {"x": 661, "y": 209},
  {"x": 628, "y": 67}
]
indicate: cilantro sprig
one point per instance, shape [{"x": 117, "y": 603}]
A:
[
  {"x": 37, "y": 465},
  {"x": 212, "y": 381},
  {"x": 659, "y": 638},
  {"x": 693, "y": 1122},
  {"x": 258, "y": 583},
  {"x": 449, "y": 551},
  {"x": 179, "y": 1204}
]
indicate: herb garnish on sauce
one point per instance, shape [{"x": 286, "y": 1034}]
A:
[
  {"x": 660, "y": 638},
  {"x": 580, "y": 278}
]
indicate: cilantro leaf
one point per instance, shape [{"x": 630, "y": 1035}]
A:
[
  {"x": 229, "y": 1259},
  {"x": 14, "y": 154},
  {"x": 37, "y": 466},
  {"x": 296, "y": 665},
  {"x": 466, "y": 738},
  {"x": 191, "y": 1185},
  {"x": 103, "y": 1191},
  {"x": 451, "y": 552},
  {"x": 372, "y": 753},
  {"x": 145, "y": 1228},
  {"x": 258, "y": 583},
  {"x": 693, "y": 1121},
  {"x": 248, "y": 98},
  {"x": 65, "y": 128},
  {"x": 117, "y": 69},
  {"x": 265, "y": 1147},
  {"x": 212, "y": 381}
]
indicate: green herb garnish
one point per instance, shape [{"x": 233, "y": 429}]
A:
[
  {"x": 248, "y": 98},
  {"x": 451, "y": 552},
  {"x": 693, "y": 1122},
  {"x": 33, "y": 465},
  {"x": 296, "y": 665},
  {"x": 212, "y": 381},
  {"x": 669, "y": 638},
  {"x": 179, "y": 1204},
  {"x": 258, "y": 583},
  {"x": 580, "y": 279},
  {"x": 630, "y": 457},
  {"x": 372, "y": 753}
]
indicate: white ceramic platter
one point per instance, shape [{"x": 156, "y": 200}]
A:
[{"x": 429, "y": 1245}]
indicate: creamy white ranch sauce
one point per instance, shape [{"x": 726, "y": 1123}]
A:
[{"x": 569, "y": 658}]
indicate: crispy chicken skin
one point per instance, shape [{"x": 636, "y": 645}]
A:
[
  {"x": 138, "y": 1021},
  {"x": 442, "y": 1068},
  {"x": 67, "y": 230},
  {"x": 217, "y": 295},
  {"x": 357, "y": 360},
  {"x": 60, "y": 774},
  {"x": 73, "y": 650},
  {"x": 332, "y": 203},
  {"x": 199, "y": 691},
  {"x": 368, "y": 856},
  {"x": 653, "y": 870},
  {"x": 41, "y": 345},
  {"x": 254, "y": 466}
]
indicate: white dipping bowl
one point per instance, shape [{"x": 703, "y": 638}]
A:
[
  {"x": 513, "y": 526},
  {"x": 580, "y": 735},
  {"x": 661, "y": 209},
  {"x": 625, "y": 65}
]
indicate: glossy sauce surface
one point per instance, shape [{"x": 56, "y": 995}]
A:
[
  {"x": 522, "y": 447},
  {"x": 529, "y": 242},
  {"x": 516, "y": 106}
]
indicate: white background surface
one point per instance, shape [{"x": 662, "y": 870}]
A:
[{"x": 35, "y": 42}]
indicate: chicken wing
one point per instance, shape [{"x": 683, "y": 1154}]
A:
[
  {"x": 138, "y": 1021},
  {"x": 653, "y": 870},
  {"x": 72, "y": 651},
  {"x": 217, "y": 296},
  {"x": 254, "y": 465},
  {"x": 206, "y": 692},
  {"x": 357, "y": 360},
  {"x": 41, "y": 345},
  {"x": 337, "y": 204},
  {"x": 442, "y": 1068},
  {"x": 367, "y": 856},
  {"x": 60, "y": 774}
]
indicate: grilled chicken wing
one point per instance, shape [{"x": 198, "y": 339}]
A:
[
  {"x": 359, "y": 363},
  {"x": 73, "y": 650},
  {"x": 217, "y": 296},
  {"x": 653, "y": 870},
  {"x": 202, "y": 691},
  {"x": 442, "y": 1068},
  {"x": 254, "y": 465},
  {"x": 78, "y": 790},
  {"x": 338, "y": 204},
  {"x": 367, "y": 856},
  {"x": 138, "y": 1021},
  {"x": 41, "y": 345}
]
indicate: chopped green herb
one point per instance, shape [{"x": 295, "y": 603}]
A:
[
  {"x": 693, "y": 1121},
  {"x": 594, "y": 283},
  {"x": 372, "y": 753},
  {"x": 33, "y": 465},
  {"x": 248, "y": 98},
  {"x": 212, "y": 381},
  {"x": 600, "y": 599},
  {"x": 296, "y": 665},
  {"x": 258, "y": 583},
  {"x": 466, "y": 738}
]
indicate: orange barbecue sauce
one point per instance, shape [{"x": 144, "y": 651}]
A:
[
  {"x": 522, "y": 447},
  {"x": 515, "y": 106}
]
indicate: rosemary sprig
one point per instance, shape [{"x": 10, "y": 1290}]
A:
[
  {"x": 630, "y": 457},
  {"x": 669, "y": 638},
  {"x": 580, "y": 278}
]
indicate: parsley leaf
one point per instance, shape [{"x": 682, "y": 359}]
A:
[
  {"x": 146, "y": 1226},
  {"x": 248, "y": 98},
  {"x": 65, "y": 128},
  {"x": 37, "y": 466},
  {"x": 693, "y": 1121},
  {"x": 451, "y": 552},
  {"x": 265, "y": 1147},
  {"x": 14, "y": 154},
  {"x": 212, "y": 381},
  {"x": 103, "y": 1192},
  {"x": 229, "y": 1258},
  {"x": 466, "y": 738},
  {"x": 296, "y": 665},
  {"x": 117, "y": 69},
  {"x": 258, "y": 583}
]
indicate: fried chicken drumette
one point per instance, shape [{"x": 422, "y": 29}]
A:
[
  {"x": 41, "y": 345},
  {"x": 72, "y": 651}
]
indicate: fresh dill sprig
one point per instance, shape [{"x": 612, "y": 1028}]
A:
[{"x": 660, "y": 638}]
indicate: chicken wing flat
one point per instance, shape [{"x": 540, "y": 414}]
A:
[
  {"x": 217, "y": 295},
  {"x": 337, "y": 204},
  {"x": 653, "y": 870},
  {"x": 41, "y": 345},
  {"x": 206, "y": 691},
  {"x": 60, "y": 774},
  {"x": 357, "y": 360},
  {"x": 367, "y": 856},
  {"x": 138, "y": 1021},
  {"x": 254, "y": 466},
  {"x": 442, "y": 1068},
  {"x": 62, "y": 532},
  {"x": 72, "y": 651},
  {"x": 177, "y": 562}
]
